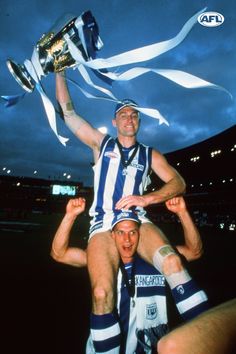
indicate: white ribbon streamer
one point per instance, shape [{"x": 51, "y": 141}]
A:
[
  {"x": 136, "y": 55},
  {"x": 87, "y": 79},
  {"x": 130, "y": 57},
  {"x": 49, "y": 108},
  {"x": 179, "y": 77},
  {"x": 154, "y": 113},
  {"x": 79, "y": 25}
]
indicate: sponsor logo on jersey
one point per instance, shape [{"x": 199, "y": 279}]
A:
[
  {"x": 136, "y": 165},
  {"x": 111, "y": 154}
]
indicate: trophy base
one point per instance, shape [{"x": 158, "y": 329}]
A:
[{"x": 21, "y": 75}]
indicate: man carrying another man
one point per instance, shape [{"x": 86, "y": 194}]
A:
[
  {"x": 121, "y": 170},
  {"x": 141, "y": 298}
]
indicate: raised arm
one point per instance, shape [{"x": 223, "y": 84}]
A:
[
  {"x": 60, "y": 250},
  {"x": 79, "y": 126},
  {"x": 174, "y": 185},
  {"x": 192, "y": 249}
]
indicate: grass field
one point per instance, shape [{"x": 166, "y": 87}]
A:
[{"x": 45, "y": 305}]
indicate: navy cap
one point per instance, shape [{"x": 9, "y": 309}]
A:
[
  {"x": 125, "y": 215},
  {"x": 125, "y": 103}
]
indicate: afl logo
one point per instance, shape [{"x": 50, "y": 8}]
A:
[{"x": 210, "y": 19}]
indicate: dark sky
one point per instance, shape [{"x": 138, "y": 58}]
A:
[{"x": 27, "y": 142}]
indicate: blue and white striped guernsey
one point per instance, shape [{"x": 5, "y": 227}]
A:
[
  {"x": 142, "y": 315},
  {"x": 112, "y": 181}
]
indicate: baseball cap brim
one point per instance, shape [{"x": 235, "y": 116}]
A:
[{"x": 125, "y": 103}]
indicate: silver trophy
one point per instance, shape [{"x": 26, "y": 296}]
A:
[{"x": 51, "y": 53}]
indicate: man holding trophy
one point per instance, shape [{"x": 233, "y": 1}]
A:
[
  {"x": 52, "y": 55},
  {"x": 122, "y": 166}
]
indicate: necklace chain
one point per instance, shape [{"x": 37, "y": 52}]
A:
[{"x": 125, "y": 163}]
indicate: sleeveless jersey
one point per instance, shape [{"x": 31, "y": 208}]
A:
[{"x": 112, "y": 181}]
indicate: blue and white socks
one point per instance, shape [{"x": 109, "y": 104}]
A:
[
  {"x": 189, "y": 299},
  {"x": 105, "y": 333}
]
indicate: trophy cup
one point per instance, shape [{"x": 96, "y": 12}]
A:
[{"x": 51, "y": 53}]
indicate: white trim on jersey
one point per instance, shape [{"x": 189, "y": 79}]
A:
[{"x": 112, "y": 181}]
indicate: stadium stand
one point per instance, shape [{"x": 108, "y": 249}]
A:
[{"x": 209, "y": 171}]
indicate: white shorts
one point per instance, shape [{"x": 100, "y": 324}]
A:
[{"x": 105, "y": 224}]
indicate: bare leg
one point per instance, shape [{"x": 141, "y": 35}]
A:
[
  {"x": 151, "y": 238},
  {"x": 213, "y": 332},
  {"x": 155, "y": 249},
  {"x": 103, "y": 261}
]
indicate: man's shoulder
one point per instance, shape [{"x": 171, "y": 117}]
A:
[
  {"x": 145, "y": 146},
  {"x": 107, "y": 138}
]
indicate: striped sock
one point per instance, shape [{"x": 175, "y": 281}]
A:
[
  {"x": 105, "y": 333},
  {"x": 190, "y": 299}
]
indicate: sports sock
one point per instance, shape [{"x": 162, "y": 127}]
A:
[
  {"x": 105, "y": 333},
  {"x": 189, "y": 298}
]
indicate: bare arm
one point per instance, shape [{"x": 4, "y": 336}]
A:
[
  {"x": 192, "y": 249},
  {"x": 174, "y": 185},
  {"x": 213, "y": 332},
  {"x": 79, "y": 126},
  {"x": 60, "y": 250}
]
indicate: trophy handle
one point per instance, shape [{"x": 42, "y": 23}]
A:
[{"x": 21, "y": 75}]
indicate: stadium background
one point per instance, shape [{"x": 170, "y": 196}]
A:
[{"x": 45, "y": 305}]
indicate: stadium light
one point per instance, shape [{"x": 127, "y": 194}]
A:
[
  {"x": 194, "y": 159},
  {"x": 216, "y": 152}
]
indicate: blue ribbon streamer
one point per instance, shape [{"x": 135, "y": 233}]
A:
[{"x": 11, "y": 100}]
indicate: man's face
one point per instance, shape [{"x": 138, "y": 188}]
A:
[
  {"x": 126, "y": 237},
  {"x": 127, "y": 121}
]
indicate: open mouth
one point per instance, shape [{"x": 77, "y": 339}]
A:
[{"x": 127, "y": 248}]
